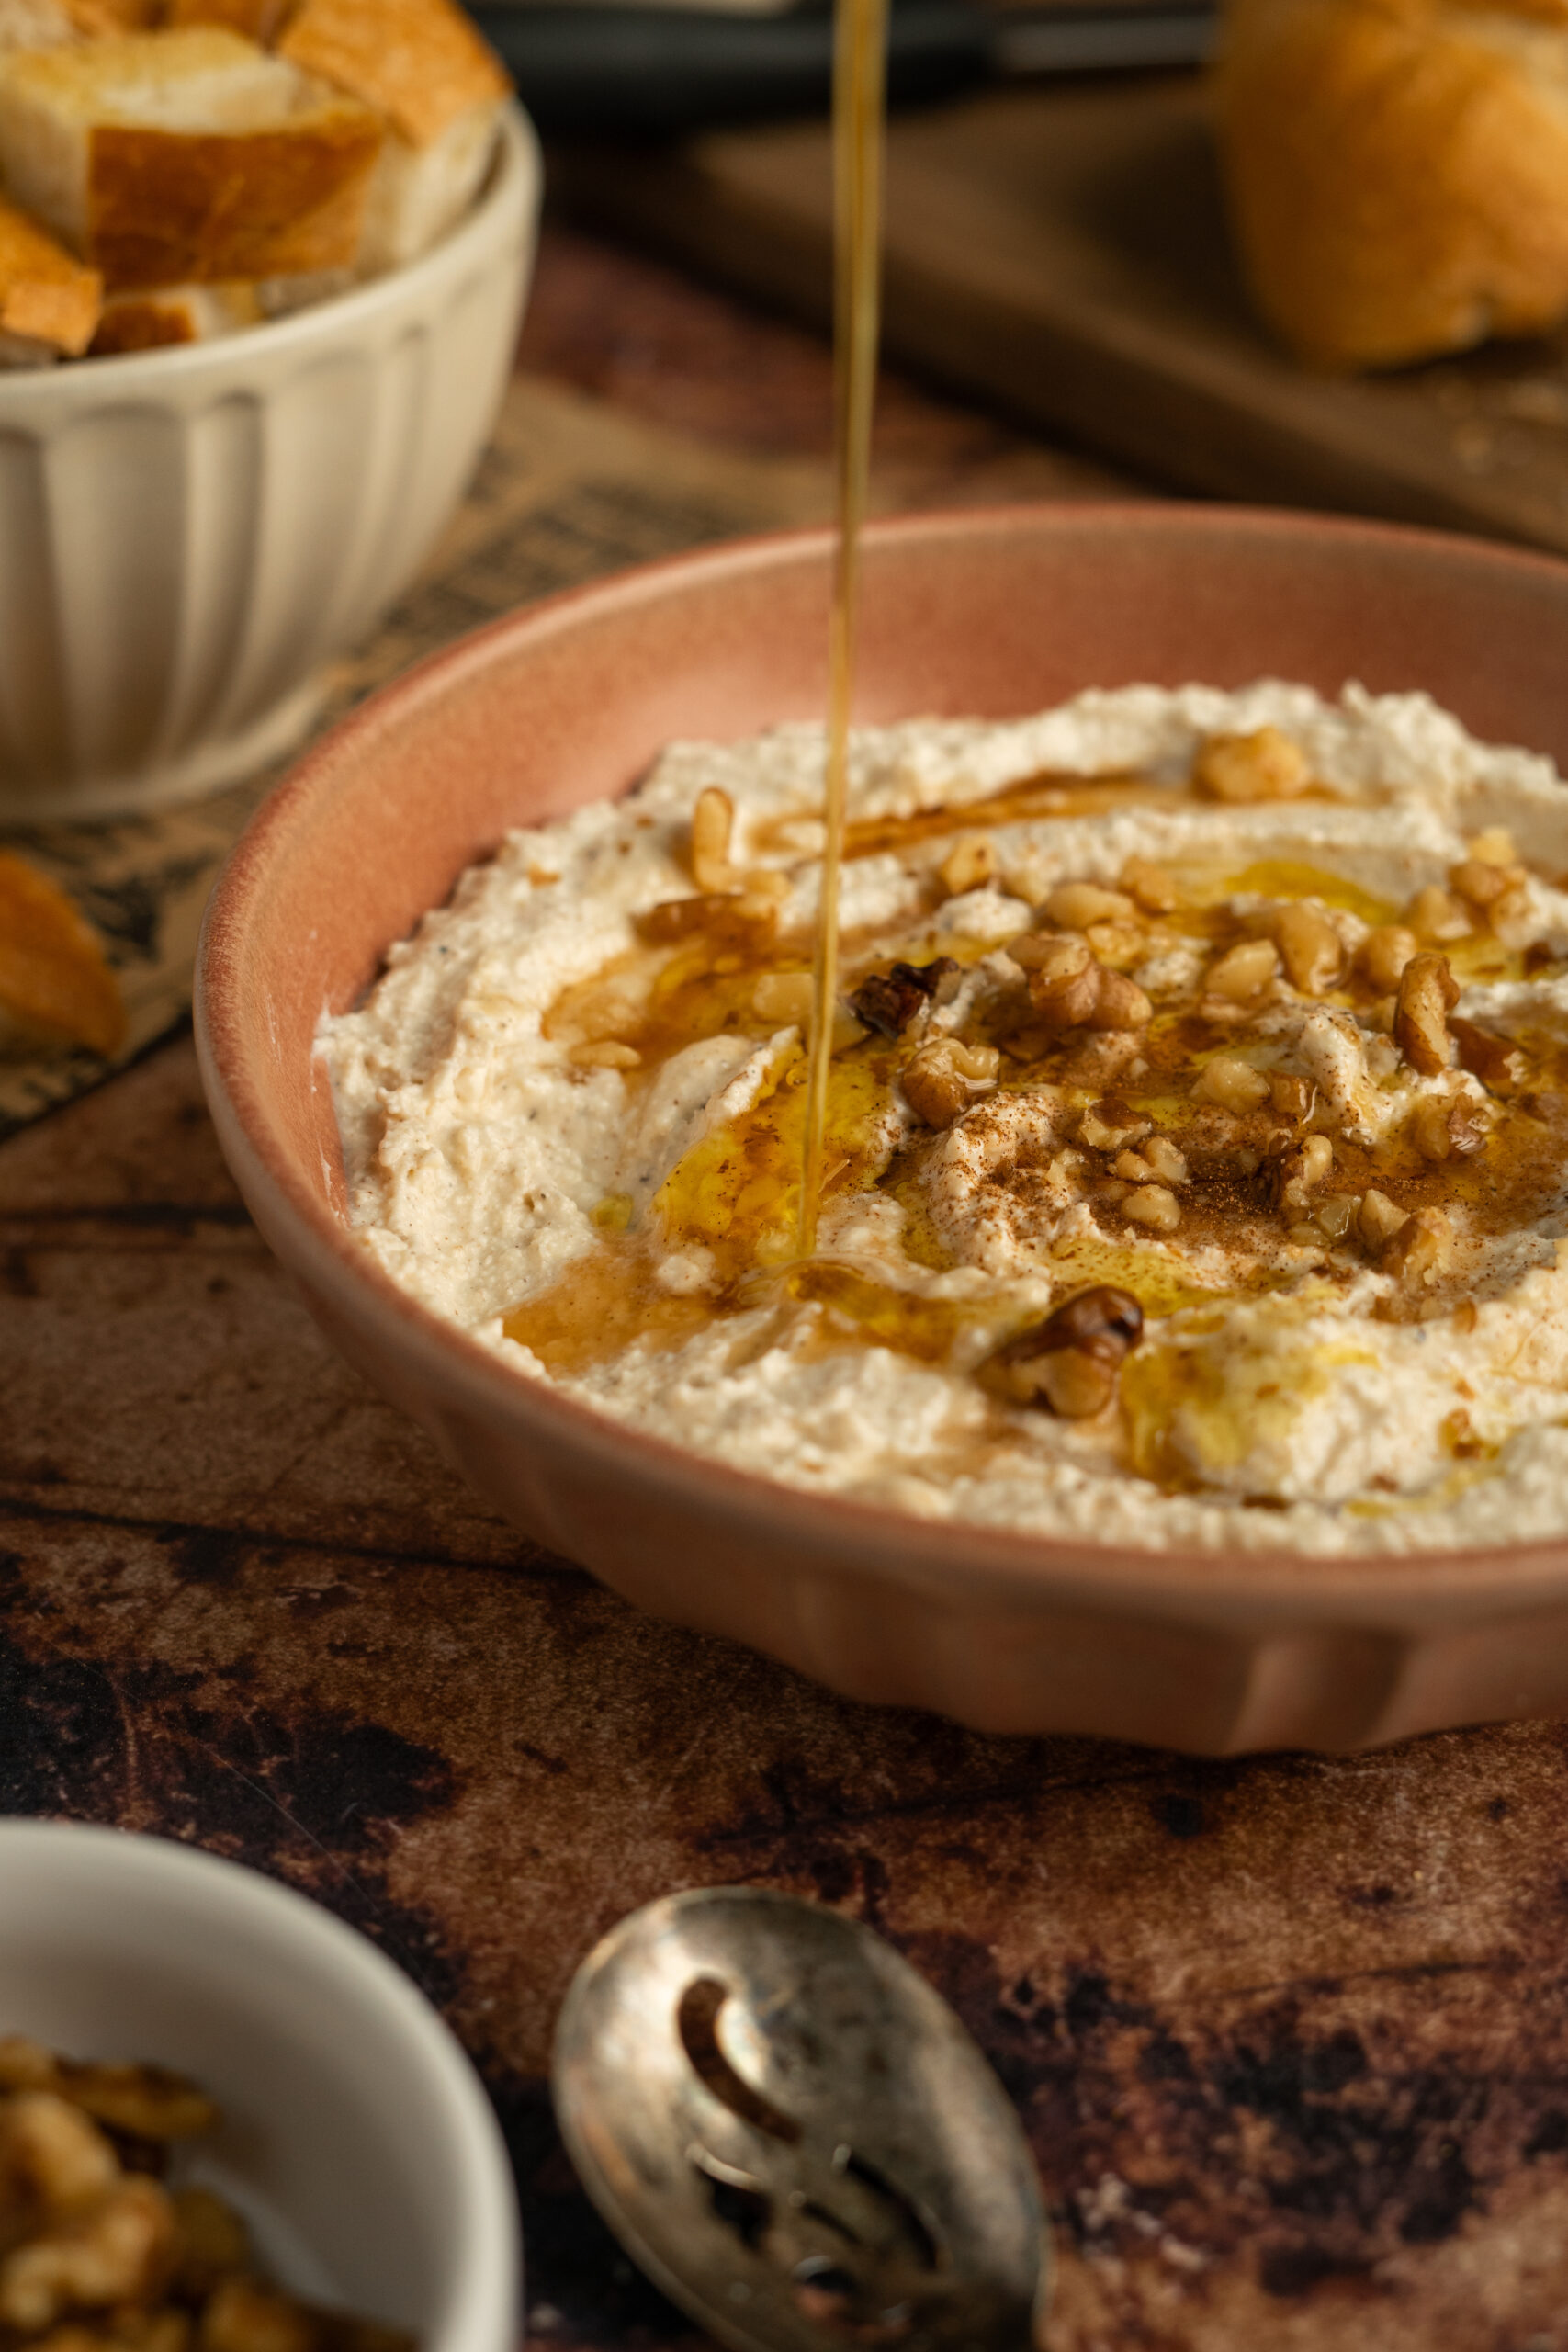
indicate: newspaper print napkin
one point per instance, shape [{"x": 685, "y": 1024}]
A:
[{"x": 570, "y": 489}]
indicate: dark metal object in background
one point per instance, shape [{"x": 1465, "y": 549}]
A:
[
  {"x": 659, "y": 70},
  {"x": 791, "y": 2132}
]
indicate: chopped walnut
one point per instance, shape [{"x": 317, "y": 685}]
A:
[
  {"x": 1384, "y": 953},
  {"x": 1150, "y": 887},
  {"x": 1073, "y": 906},
  {"x": 1154, "y": 1205},
  {"x": 1491, "y": 1058},
  {"x": 52, "y": 2156},
  {"x": 212, "y": 2240},
  {"x": 1428, "y": 994},
  {"x": 1070, "y": 1361},
  {"x": 1334, "y": 1215},
  {"x": 1302, "y": 1171},
  {"x": 1244, "y": 971},
  {"x": 712, "y": 825},
  {"x": 1108, "y": 1125},
  {"x": 1310, "y": 948},
  {"x": 747, "y": 919},
  {"x": 1433, "y": 914},
  {"x": 1292, "y": 1097},
  {"x": 1264, "y": 765},
  {"x": 1117, "y": 943},
  {"x": 970, "y": 862},
  {"x": 1420, "y": 1247},
  {"x": 888, "y": 1002},
  {"x": 1445, "y": 1126},
  {"x": 117, "y": 2250},
  {"x": 784, "y": 996},
  {"x": 942, "y": 1077},
  {"x": 1232, "y": 1083},
  {"x": 1378, "y": 1220},
  {"x": 1064, "y": 978},
  {"x": 1120, "y": 1003},
  {"x": 1168, "y": 1164}
]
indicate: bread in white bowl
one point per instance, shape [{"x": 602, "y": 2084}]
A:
[
  {"x": 49, "y": 304},
  {"x": 439, "y": 89},
  {"x": 185, "y": 155}
]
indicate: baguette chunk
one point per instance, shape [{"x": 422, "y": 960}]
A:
[
  {"x": 186, "y": 155},
  {"x": 154, "y": 316},
  {"x": 423, "y": 66},
  {"x": 48, "y": 303}
]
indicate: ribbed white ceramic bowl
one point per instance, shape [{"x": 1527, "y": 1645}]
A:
[
  {"x": 356, "y": 2136},
  {"x": 188, "y": 535}
]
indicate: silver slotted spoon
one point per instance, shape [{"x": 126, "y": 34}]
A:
[{"x": 793, "y": 2135}]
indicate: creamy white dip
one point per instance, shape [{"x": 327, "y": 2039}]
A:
[{"x": 567, "y": 1125}]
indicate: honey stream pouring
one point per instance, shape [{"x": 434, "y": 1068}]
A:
[{"x": 859, "y": 121}]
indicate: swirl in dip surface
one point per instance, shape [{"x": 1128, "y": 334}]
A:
[{"x": 1246, "y": 1013}]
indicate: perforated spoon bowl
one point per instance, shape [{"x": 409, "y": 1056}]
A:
[{"x": 793, "y": 2135}]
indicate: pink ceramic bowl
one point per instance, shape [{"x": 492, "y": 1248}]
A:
[{"x": 994, "y": 612}]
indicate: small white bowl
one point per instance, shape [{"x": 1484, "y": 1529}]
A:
[
  {"x": 356, "y": 2136},
  {"x": 189, "y": 535}
]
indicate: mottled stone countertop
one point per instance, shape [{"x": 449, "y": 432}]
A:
[{"x": 1290, "y": 2036}]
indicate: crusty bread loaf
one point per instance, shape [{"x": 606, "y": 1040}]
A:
[
  {"x": 48, "y": 303},
  {"x": 1397, "y": 170},
  {"x": 168, "y": 314},
  {"x": 185, "y": 155}
]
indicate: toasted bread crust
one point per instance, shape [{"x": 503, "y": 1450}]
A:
[
  {"x": 419, "y": 63},
  {"x": 1397, "y": 172},
  {"x": 258, "y": 21},
  {"x": 45, "y": 293},
  {"x": 166, "y": 206}
]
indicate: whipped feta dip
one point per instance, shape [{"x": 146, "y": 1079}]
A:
[{"x": 1248, "y": 1012}]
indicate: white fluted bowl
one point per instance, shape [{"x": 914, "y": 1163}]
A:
[
  {"x": 356, "y": 2138},
  {"x": 188, "y": 535}
]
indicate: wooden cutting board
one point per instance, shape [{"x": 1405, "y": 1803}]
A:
[{"x": 1062, "y": 249}]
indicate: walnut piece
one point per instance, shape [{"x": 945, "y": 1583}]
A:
[
  {"x": 1264, "y": 765},
  {"x": 1433, "y": 914},
  {"x": 1428, "y": 994},
  {"x": 1108, "y": 1125},
  {"x": 1150, "y": 887},
  {"x": 1064, "y": 978},
  {"x": 941, "y": 1075},
  {"x": 117, "y": 2250},
  {"x": 713, "y": 826},
  {"x": 1292, "y": 1097},
  {"x": 1154, "y": 1205},
  {"x": 1384, "y": 953},
  {"x": 1073, "y": 906},
  {"x": 1491, "y": 1058},
  {"x": 1420, "y": 1247},
  {"x": 1070, "y": 1361},
  {"x": 52, "y": 2156},
  {"x": 1244, "y": 971},
  {"x": 1310, "y": 948},
  {"x": 1446, "y": 1127},
  {"x": 888, "y": 1002},
  {"x": 1378, "y": 1220},
  {"x": 970, "y": 862},
  {"x": 784, "y": 996},
  {"x": 1233, "y": 1084}
]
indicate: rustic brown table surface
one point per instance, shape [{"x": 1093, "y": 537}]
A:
[{"x": 1288, "y": 2035}]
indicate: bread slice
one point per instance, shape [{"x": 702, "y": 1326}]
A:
[
  {"x": 48, "y": 303},
  {"x": 422, "y": 65},
  {"x": 419, "y": 63},
  {"x": 1398, "y": 171},
  {"x": 169, "y": 315},
  {"x": 187, "y": 154},
  {"x": 256, "y": 19}
]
